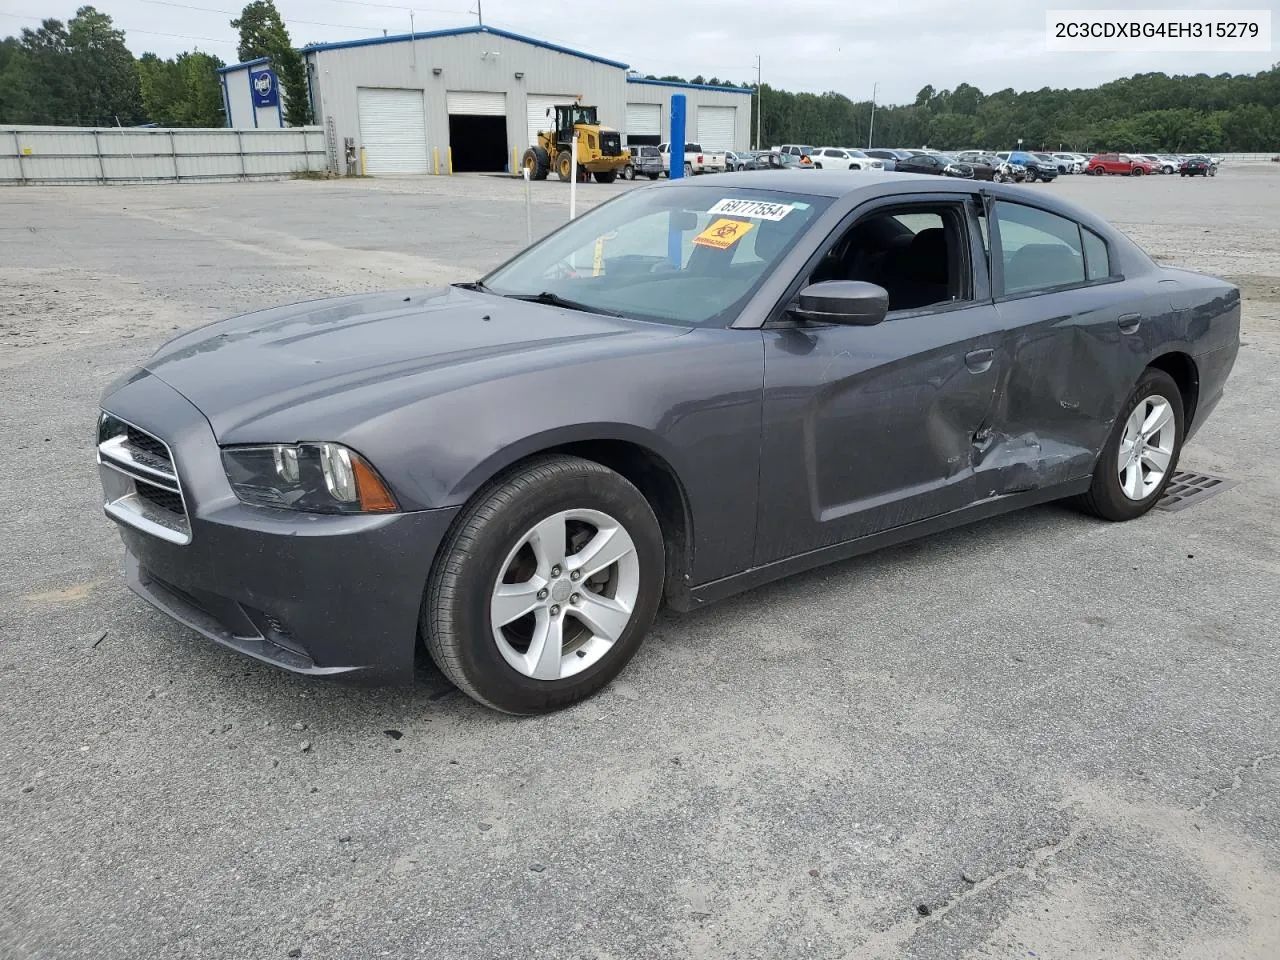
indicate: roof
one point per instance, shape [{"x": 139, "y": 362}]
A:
[
  {"x": 458, "y": 32},
  {"x": 690, "y": 86},
  {"x": 247, "y": 63}
]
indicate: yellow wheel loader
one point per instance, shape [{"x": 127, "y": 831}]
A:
[{"x": 600, "y": 150}]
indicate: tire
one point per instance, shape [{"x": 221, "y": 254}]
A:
[
  {"x": 628, "y": 172},
  {"x": 1184, "y": 173},
  {"x": 1106, "y": 497},
  {"x": 1098, "y": 171},
  {"x": 606, "y": 176},
  {"x": 1136, "y": 172},
  {"x": 537, "y": 162},
  {"x": 1212, "y": 172},
  {"x": 654, "y": 176},
  {"x": 493, "y": 540},
  {"x": 564, "y": 166},
  {"x": 688, "y": 169}
]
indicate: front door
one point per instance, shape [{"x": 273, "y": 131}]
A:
[{"x": 868, "y": 428}]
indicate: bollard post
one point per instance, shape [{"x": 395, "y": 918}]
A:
[
  {"x": 677, "y": 136},
  {"x": 451, "y": 161},
  {"x": 435, "y": 160},
  {"x": 528, "y": 209},
  {"x": 573, "y": 177}
]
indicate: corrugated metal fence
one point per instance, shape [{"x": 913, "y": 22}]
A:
[{"x": 133, "y": 155}]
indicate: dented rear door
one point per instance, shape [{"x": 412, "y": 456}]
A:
[{"x": 1071, "y": 365}]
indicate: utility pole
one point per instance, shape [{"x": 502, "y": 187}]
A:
[
  {"x": 480, "y": 12},
  {"x": 872, "y": 129},
  {"x": 759, "y": 104}
]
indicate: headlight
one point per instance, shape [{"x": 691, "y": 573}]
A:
[{"x": 311, "y": 477}]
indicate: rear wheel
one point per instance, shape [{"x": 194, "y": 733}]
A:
[
  {"x": 688, "y": 169},
  {"x": 653, "y": 176},
  {"x": 1136, "y": 172},
  {"x": 1141, "y": 454},
  {"x": 546, "y": 586},
  {"x": 537, "y": 162}
]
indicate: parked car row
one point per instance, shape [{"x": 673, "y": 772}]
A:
[{"x": 1008, "y": 166}]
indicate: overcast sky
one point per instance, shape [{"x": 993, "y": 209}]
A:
[{"x": 815, "y": 45}]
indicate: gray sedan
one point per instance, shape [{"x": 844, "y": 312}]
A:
[{"x": 695, "y": 388}]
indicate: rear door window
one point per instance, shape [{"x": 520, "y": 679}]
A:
[{"x": 1039, "y": 250}]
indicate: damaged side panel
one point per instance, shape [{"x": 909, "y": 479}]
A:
[{"x": 1073, "y": 358}]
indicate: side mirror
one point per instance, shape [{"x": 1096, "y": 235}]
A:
[{"x": 848, "y": 302}]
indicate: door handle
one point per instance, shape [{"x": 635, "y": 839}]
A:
[
  {"x": 1129, "y": 322},
  {"x": 979, "y": 361}
]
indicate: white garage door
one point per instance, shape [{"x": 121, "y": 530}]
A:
[
  {"x": 476, "y": 104},
  {"x": 393, "y": 130},
  {"x": 644, "y": 120},
  {"x": 716, "y": 127},
  {"x": 536, "y": 112}
]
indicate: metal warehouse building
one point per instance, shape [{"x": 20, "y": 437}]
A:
[{"x": 476, "y": 94}]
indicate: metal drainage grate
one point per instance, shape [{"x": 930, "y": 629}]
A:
[{"x": 1187, "y": 489}]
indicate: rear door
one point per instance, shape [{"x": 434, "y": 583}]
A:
[
  {"x": 868, "y": 428},
  {"x": 1066, "y": 314}
]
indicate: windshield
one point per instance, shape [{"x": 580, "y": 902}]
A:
[{"x": 687, "y": 255}]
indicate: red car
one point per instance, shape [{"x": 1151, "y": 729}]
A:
[{"x": 1118, "y": 163}]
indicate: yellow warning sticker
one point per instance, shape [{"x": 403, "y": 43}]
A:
[{"x": 723, "y": 234}]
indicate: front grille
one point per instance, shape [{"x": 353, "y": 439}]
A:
[
  {"x": 611, "y": 144},
  {"x": 148, "y": 443},
  {"x": 160, "y": 497},
  {"x": 141, "y": 481}
]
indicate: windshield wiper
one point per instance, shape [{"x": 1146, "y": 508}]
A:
[{"x": 555, "y": 300}]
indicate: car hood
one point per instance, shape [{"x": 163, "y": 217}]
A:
[{"x": 423, "y": 342}]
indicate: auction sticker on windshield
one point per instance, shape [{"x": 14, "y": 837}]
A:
[
  {"x": 756, "y": 209},
  {"x": 723, "y": 234}
]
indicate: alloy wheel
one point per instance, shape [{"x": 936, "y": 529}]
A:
[
  {"x": 1146, "y": 447},
  {"x": 565, "y": 594}
]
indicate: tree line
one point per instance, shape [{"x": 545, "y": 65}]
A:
[
  {"x": 81, "y": 73},
  {"x": 1148, "y": 112}
]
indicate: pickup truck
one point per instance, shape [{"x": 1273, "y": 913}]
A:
[{"x": 696, "y": 160}]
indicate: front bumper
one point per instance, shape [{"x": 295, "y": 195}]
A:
[{"x": 312, "y": 594}]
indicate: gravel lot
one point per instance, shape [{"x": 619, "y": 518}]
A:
[{"x": 1040, "y": 736}]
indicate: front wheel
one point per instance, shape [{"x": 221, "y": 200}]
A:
[
  {"x": 628, "y": 173},
  {"x": 1141, "y": 455},
  {"x": 653, "y": 176},
  {"x": 546, "y": 586}
]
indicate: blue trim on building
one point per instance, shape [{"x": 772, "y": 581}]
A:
[
  {"x": 691, "y": 86},
  {"x": 458, "y": 32},
  {"x": 241, "y": 66}
]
